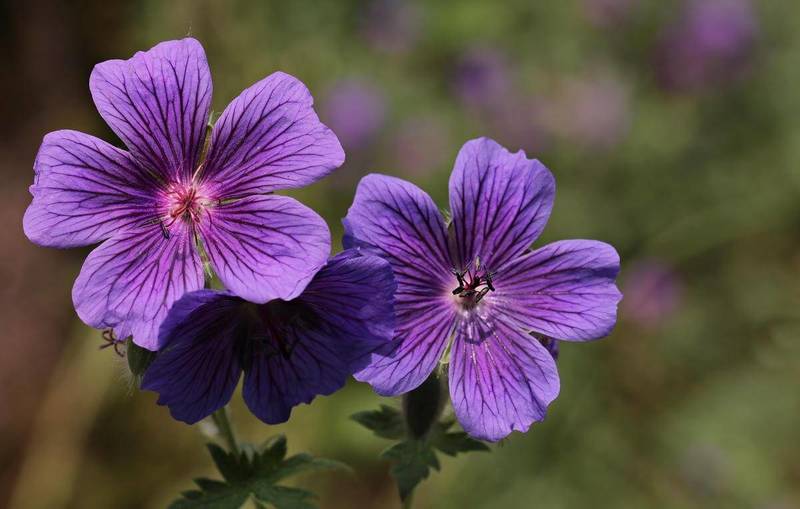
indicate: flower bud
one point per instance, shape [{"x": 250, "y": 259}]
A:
[
  {"x": 422, "y": 406},
  {"x": 139, "y": 358}
]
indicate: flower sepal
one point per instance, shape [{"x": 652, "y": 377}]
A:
[{"x": 139, "y": 359}]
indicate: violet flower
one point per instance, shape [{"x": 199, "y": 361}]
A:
[
  {"x": 356, "y": 110},
  {"x": 711, "y": 43},
  {"x": 654, "y": 292},
  {"x": 151, "y": 206},
  {"x": 472, "y": 288},
  {"x": 290, "y": 351}
]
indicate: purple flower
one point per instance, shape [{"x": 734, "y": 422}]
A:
[
  {"x": 290, "y": 351},
  {"x": 711, "y": 43},
  {"x": 355, "y": 109},
  {"x": 482, "y": 77},
  {"x": 474, "y": 289},
  {"x": 654, "y": 291},
  {"x": 151, "y": 206}
]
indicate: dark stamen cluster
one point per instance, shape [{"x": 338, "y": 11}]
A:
[{"x": 473, "y": 286}]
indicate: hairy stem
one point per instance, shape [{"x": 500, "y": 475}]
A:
[{"x": 225, "y": 428}]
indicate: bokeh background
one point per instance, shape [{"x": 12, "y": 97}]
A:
[{"x": 673, "y": 130}]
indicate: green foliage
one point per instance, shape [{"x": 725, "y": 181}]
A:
[
  {"x": 255, "y": 472},
  {"x": 413, "y": 458}
]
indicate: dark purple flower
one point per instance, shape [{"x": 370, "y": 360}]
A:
[
  {"x": 654, "y": 291},
  {"x": 475, "y": 285},
  {"x": 482, "y": 77},
  {"x": 289, "y": 351},
  {"x": 709, "y": 44},
  {"x": 355, "y": 110},
  {"x": 151, "y": 206}
]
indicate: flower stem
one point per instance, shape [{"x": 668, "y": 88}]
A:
[
  {"x": 409, "y": 501},
  {"x": 225, "y": 428}
]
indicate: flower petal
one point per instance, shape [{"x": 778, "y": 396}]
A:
[
  {"x": 501, "y": 379},
  {"x": 500, "y": 202},
  {"x": 421, "y": 334},
  {"x": 398, "y": 221},
  {"x": 84, "y": 191},
  {"x": 197, "y": 368},
  {"x": 401, "y": 223},
  {"x": 158, "y": 103},
  {"x": 265, "y": 247},
  {"x": 270, "y": 138},
  {"x": 131, "y": 280},
  {"x": 354, "y": 296},
  {"x": 564, "y": 290}
]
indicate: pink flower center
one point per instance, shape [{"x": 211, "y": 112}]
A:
[{"x": 186, "y": 203}]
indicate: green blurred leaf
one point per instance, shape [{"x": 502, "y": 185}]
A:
[
  {"x": 387, "y": 422},
  {"x": 413, "y": 460},
  {"x": 254, "y": 473}
]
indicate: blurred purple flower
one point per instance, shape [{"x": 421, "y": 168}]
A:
[
  {"x": 520, "y": 120},
  {"x": 653, "y": 292},
  {"x": 474, "y": 287},
  {"x": 392, "y": 26},
  {"x": 711, "y": 43},
  {"x": 151, "y": 206},
  {"x": 481, "y": 77},
  {"x": 289, "y": 351},
  {"x": 355, "y": 109},
  {"x": 593, "y": 112},
  {"x": 608, "y": 13},
  {"x": 420, "y": 144}
]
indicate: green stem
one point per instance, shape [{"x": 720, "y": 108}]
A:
[
  {"x": 225, "y": 428},
  {"x": 409, "y": 501}
]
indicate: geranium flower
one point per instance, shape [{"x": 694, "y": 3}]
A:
[
  {"x": 152, "y": 205},
  {"x": 290, "y": 351},
  {"x": 474, "y": 288}
]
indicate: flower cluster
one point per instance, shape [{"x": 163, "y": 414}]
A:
[{"x": 409, "y": 292}]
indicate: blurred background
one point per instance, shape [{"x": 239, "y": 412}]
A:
[{"x": 673, "y": 130}]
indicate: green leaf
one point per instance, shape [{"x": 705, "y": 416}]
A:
[
  {"x": 455, "y": 442},
  {"x": 283, "y": 497},
  {"x": 301, "y": 463},
  {"x": 254, "y": 473},
  {"x": 385, "y": 423},
  {"x": 413, "y": 460},
  {"x": 230, "y": 498},
  {"x": 227, "y": 463}
]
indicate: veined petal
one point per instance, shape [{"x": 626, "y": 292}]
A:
[
  {"x": 197, "y": 368},
  {"x": 308, "y": 346},
  {"x": 84, "y": 190},
  {"x": 565, "y": 290},
  {"x": 270, "y": 138},
  {"x": 130, "y": 281},
  {"x": 501, "y": 379},
  {"x": 500, "y": 202},
  {"x": 158, "y": 103},
  {"x": 422, "y": 331},
  {"x": 400, "y": 222},
  {"x": 265, "y": 247},
  {"x": 353, "y": 295}
]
